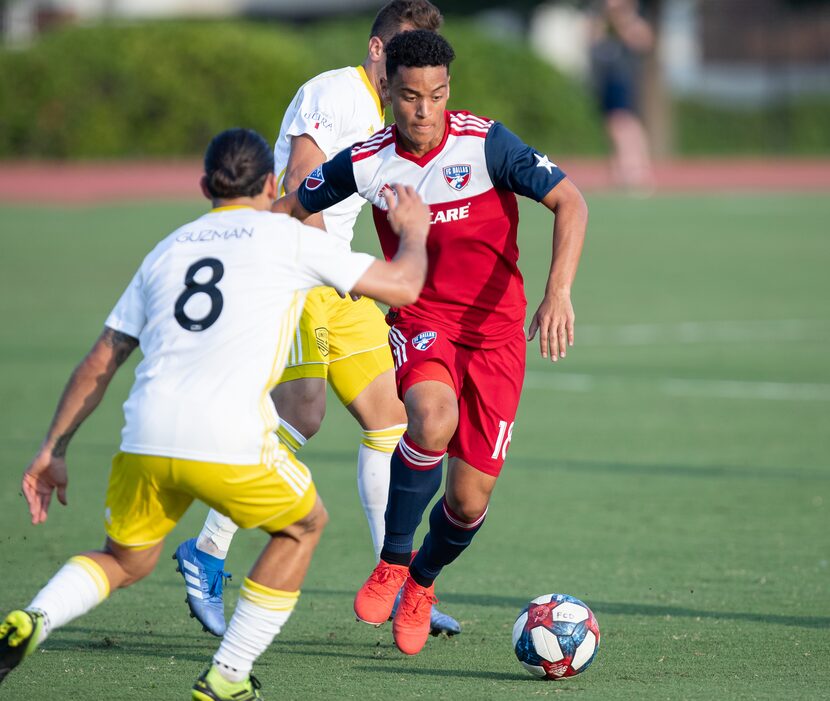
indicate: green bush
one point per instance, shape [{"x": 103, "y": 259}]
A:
[
  {"x": 162, "y": 89},
  {"x": 800, "y": 127},
  {"x": 157, "y": 89}
]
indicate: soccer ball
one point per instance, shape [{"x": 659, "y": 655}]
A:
[{"x": 555, "y": 636}]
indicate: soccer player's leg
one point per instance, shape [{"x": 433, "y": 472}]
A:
[
  {"x": 280, "y": 499},
  {"x": 487, "y": 408},
  {"x": 415, "y": 475},
  {"x": 362, "y": 376},
  {"x": 374, "y": 407},
  {"x": 140, "y": 510},
  {"x": 300, "y": 399},
  {"x": 450, "y": 533}
]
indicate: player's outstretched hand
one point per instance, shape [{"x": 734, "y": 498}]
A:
[
  {"x": 408, "y": 215},
  {"x": 45, "y": 474},
  {"x": 554, "y": 320}
]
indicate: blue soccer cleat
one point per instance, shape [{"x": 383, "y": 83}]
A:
[
  {"x": 439, "y": 622},
  {"x": 442, "y": 623},
  {"x": 204, "y": 579}
]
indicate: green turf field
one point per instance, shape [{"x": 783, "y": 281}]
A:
[{"x": 673, "y": 473}]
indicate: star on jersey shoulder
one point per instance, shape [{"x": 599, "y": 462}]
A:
[{"x": 545, "y": 163}]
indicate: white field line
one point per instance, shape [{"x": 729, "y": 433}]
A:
[
  {"x": 680, "y": 387},
  {"x": 687, "y": 332}
]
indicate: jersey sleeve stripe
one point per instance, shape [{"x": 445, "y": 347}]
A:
[
  {"x": 464, "y": 119},
  {"x": 469, "y": 119},
  {"x": 361, "y": 153},
  {"x": 469, "y": 132},
  {"x": 372, "y": 140},
  {"x": 466, "y": 124},
  {"x": 470, "y": 127}
]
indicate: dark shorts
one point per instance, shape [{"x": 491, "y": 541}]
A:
[{"x": 617, "y": 93}]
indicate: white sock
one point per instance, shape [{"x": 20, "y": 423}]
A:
[
  {"x": 217, "y": 533},
  {"x": 373, "y": 469},
  {"x": 260, "y": 614},
  {"x": 76, "y": 588},
  {"x": 373, "y": 488}
]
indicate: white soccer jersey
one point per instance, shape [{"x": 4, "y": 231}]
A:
[
  {"x": 337, "y": 109},
  {"x": 215, "y": 307}
]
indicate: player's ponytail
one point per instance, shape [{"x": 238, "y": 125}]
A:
[{"x": 237, "y": 163}]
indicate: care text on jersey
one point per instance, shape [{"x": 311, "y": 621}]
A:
[
  {"x": 438, "y": 214},
  {"x": 448, "y": 214}
]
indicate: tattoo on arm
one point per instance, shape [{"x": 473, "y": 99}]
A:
[
  {"x": 59, "y": 451},
  {"x": 122, "y": 343},
  {"x": 87, "y": 385}
]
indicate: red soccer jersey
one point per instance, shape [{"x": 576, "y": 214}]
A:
[{"x": 474, "y": 291}]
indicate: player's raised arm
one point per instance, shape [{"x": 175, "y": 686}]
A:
[
  {"x": 83, "y": 392},
  {"x": 554, "y": 319},
  {"x": 399, "y": 282}
]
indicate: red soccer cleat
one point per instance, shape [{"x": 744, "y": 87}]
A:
[
  {"x": 374, "y": 600},
  {"x": 410, "y": 627}
]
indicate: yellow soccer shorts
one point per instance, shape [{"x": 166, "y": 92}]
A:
[
  {"x": 339, "y": 340},
  {"x": 147, "y": 494}
]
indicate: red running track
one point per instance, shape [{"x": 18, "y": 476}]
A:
[{"x": 47, "y": 182}]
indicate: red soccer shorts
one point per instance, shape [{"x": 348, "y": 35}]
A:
[{"x": 487, "y": 383}]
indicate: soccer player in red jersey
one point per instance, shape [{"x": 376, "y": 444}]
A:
[{"x": 459, "y": 350}]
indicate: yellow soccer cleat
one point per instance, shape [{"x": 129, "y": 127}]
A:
[
  {"x": 212, "y": 686},
  {"x": 19, "y": 636}
]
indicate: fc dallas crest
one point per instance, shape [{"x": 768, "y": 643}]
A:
[
  {"x": 315, "y": 179},
  {"x": 424, "y": 340},
  {"x": 458, "y": 176}
]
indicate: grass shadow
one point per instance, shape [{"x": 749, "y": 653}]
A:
[
  {"x": 625, "y": 609},
  {"x": 454, "y": 673}
]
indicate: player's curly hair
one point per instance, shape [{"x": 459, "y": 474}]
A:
[
  {"x": 237, "y": 163},
  {"x": 417, "y": 49},
  {"x": 419, "y": 14}
]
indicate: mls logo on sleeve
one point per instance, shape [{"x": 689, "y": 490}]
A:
[
  {"x": 424, "y": 340},
  {"x": 457, "y": 177},
  {"x": 315, "y": 179}
]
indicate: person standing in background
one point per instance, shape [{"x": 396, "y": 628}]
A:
[{"x": 619, "y": 38}]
